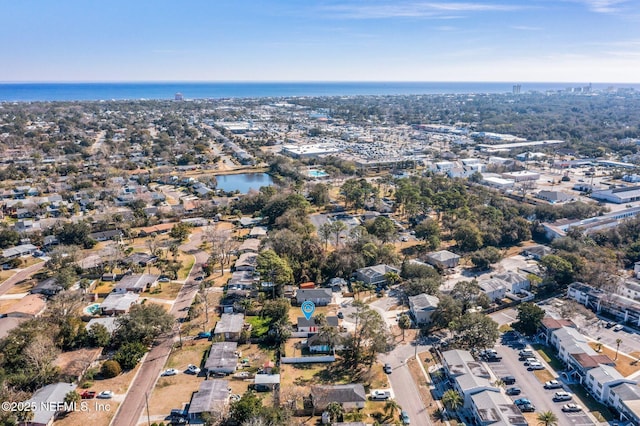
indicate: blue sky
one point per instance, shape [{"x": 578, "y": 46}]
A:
[{"x": 307, "y": 40}]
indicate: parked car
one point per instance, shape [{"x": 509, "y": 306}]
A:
[
  {"x": 193, "y": 369},
  {"x": 88, "y": 394},
  {"x": 170, "y": 372},
  {"x": 404, "y": 418},
  {"x": 340, "y": 315},
  {"x": 199, "y": 278},
  {"x": 552, "y": 384},
  {"x": 508, "y": 380},
  {"x": 526, "y": 353},
  {"x": 618, "y": 327},
  {"x": 521, "y": 401},
  {"x": 535, "y": 366},
  {"x": 387, "y": 368},
  {"x": 527, "y": 408},
  {"x": 514, "y": 391},
  {"x": 562, "y": 396},
  {"x": 105, "y": 394},
  {"x": 380, "y": 395},
  {"x": 571, "y": 408},
  {"x": 529, "y": 361},
  {"x": 164, "y": 279},
  {"x": 609, "y": 324},
  {"x": 204, "y": 335}
]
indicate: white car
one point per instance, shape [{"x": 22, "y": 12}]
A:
[
  {"x": 562, "y": 396},
  {"x": 552, "y": 384},
  {"x": 618, "y": 327},
  {"x": 380, "y": 395},
  {"x": 193, "y": 369},
  {"x": 571, "y": 408},
  {"x": 105, "y": 394},
  {"x": 170, "y": 372},
  {"x": 535, "y": 366}
]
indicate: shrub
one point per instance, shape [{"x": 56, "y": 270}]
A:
[{"x": 111, "y": 369}]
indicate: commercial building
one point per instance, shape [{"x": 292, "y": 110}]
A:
[
  {"x": 610, "y": 220},
  {"x": 624, "y": 195}
]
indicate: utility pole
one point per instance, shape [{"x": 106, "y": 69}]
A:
[{"x": 146, "y": 397}]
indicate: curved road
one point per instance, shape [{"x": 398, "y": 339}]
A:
[
  {"x": 134, "y": 403},
  {"x": 19, "y": 276}
]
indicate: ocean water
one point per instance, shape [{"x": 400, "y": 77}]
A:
[{"x": 12, "y": 92}]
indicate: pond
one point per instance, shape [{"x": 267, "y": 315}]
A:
[{"x": 243, "y": 182}]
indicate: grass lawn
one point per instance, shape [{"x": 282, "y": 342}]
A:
[
  {"x": 167, "y": 291},
  {"x": 187, "y": 262},
  {"x": 104, "y": 287},
  {"x": 600, "y": 412},
  {"x": 504, "y": 328},
  {"x": 259, "y": 326},
  {"x": 543, "y": 375},
  {"x": 4, "y": 275},
  {"x": 22, "y": 287},
  {"x": 546, "y": 354}
]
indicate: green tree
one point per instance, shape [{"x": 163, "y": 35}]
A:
[
  {"x": 324, "y": 232},
  {"x": 452, "y": 399},
  {"x": 130, "y": 354},
  {"x": 404, "y": 322},
  {"x": 529, "y": 318},
  {"x": 474, "y": 330},
  {"x": 383, "y": 228},
  {"x": 143, "y": 324},
  {"x": 110, "y": 368},
  {"x": 98, "y": 336},
  {"x": 547, "y": 418},
  {"x": 558, "y": 269},
  {"x": 247, "y": 407},
  {"x": 467, "y": 236},
  {"x": 335, "y": 411},
  {"x": 447, "y": 311},
  {"x": 466, "y": 292},
  {"x": 369, "y": 338},
  {"x": 180, "y": 231},
  {"x": 337, "y": 228},
  {"x": 276, "y": 269},
  {"x": 390, "y": 408},
  {"x": 483, "y": 258},
  {"x": 72, "y": 397}
]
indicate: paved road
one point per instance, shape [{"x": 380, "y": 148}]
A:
[
  {"x": 130, "y": 411},
  {"x": 404, "y": 387},
  {"x": 19, "y": 276}
]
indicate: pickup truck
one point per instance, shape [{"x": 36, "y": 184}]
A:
[
  {"x": 88, "y": 395},
  {"x": 380, "y": 395}
]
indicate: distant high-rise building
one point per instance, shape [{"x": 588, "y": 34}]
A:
[
  {"x": 178, "y": 97},
  {"x": 516, "y": 89}
]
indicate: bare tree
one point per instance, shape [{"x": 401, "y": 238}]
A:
[{"x": 223, "y": 245}]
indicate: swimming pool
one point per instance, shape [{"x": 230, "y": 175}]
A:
[
  {"x": 317, "y": 173},
  {"x": 93, "y": 309}
]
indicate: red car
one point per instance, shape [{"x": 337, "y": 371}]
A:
[{"x": 88, "y": 395}]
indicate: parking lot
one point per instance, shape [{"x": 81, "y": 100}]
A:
[{"x": 533, "y": 389}]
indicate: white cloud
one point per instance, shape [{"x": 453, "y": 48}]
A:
[
  {"x": 525, "y": 28},
  {"x": 602, "y": 6},
  {"x": 415, "y": 10}
]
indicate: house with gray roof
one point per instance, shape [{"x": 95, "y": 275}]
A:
[
  {"x": 469, "y": 376},
  {"x": 136, "y": 283},
  {"x": 118, "y": 303},
  {"x": 223, "y": 358},
  {"x": 496, "y": 409},
  {"x": 422, "y": 307},
  {"x": 47, "y": 287},
  {"x": 350, "y": 397},
  {"x": 212, "y": 397},
  {"x": 229, "y": 327},
  {"x": 514, "y": 281},
  {"x": 494, "y": 288},
  {"x": 443, "y": 259},
  {"x": 375, "y": 274},
  {"x": 46, "y": 399},
  {"x": 17, "y": 251},
  {"x": 246, "y": 262},
  {"x": 625, "y": 398},
  {"x": 600, "y": 380},
  {"x": 266, "y": 381},
  {"x": 319, "y": 296}
]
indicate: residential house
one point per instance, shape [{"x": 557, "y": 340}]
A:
[
  {"x": 319, "y": 296},
  {"x": 600, "y": 380},
  {"x": 18, "y": 251},
  {"x": 350, "y": 397},
  {"x": 375, "y": 274},
  {"x": 311, "y": 326},
  {"x": 212, "y": 398},
  {"x": 258, "y": 232},
  {"x": 548, "y": 325},
  {"x": 422, "y": 307},
  {"x": 118, "y": 303},
  {"x": 242, "y": 283},
  {"x": 246, "y": 262},
  {"x": 263, "y": 382},
  {"x": 222, "y": 359},
  {"x": 250, "y": 245},
  {"x": 443, "y": 259},
  {"x": 496, "y": 409},
  {"x": 619, "y": 307},
  {"x": 495, "y": 289},
  {"x": 514, "y": 281},
  {"x": 136, "y": 283},
  {"x": 468, "y": 375},
  {"x": 229, "y": 327},
  {"x": 30, "y": 306},
  {"x": 140, "y": 259},
  {"x": 49, "y": 401},
  {"x": 319, "y": 343},
  {"x": 109, "y": 323},
  {"x": 114, "y": 234},
  {"x": 537, "y": 252},
  {"x": 48, "y": 287}
]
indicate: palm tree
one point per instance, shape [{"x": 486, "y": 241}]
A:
[
  {"x": 404, "y": 322},
  {"x": 390, "y": 408},
  {"x": 547, "y": 418},
  {"x": 618, "y": 341},
  {"x": 499, "y": 383},
  {"x": 452, "y": 399},
  {"x": 335, "y": 411},
  {"x": 338, "y": 227}
]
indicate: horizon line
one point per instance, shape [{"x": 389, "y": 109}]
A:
[{"x": 10, "y": 82}]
